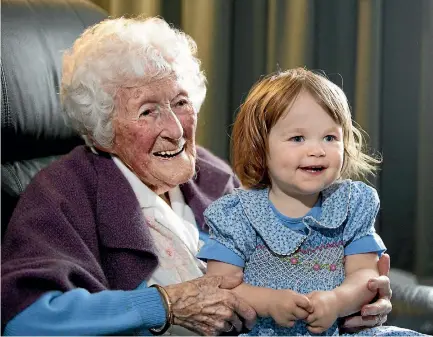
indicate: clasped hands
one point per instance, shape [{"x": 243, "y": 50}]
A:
[{"x": 320, "y": 309}]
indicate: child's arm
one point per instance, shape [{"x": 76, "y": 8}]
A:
[
  {"x": 353, "y": 292},
  {"x": 284, "y": 306},
  {"x": 346, "y": 299}
]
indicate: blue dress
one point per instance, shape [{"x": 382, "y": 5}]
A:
[{"x": 246, "y": 231}]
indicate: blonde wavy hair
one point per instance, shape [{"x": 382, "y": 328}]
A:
[{"x": 267, "y": 102}]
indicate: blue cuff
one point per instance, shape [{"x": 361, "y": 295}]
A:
[
  {"x": 213, "y": 250},
  {"x": 366, "y": 244},
  {"x": 203, "y": 236},
  {"x": 80, "y": 313}
]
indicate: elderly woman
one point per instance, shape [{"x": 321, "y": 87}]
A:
[{"x": 104, "y": 240}]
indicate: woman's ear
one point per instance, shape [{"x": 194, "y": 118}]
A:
[
  {"x": 90, "y": 142},
  {"x": 104, "y": 149}
]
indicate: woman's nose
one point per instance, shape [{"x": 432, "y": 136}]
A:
[{"x": 171, "y": 126}]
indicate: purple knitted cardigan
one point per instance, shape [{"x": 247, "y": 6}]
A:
[{"x": 79, "y": 224}]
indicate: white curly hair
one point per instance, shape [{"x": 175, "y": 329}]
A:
[{"x": 121, "y": 52}]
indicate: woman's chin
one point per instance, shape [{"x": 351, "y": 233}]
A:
[{"x": 178, "y": 172}]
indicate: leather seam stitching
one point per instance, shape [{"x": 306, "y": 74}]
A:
[{"x": 14, "y": 177}]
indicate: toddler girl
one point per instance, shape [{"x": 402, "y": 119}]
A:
[{"x": 300, "y": 229}]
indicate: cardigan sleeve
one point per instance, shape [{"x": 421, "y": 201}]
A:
[
  {"x": 80, "y": 313},
  {"x": 43, "y": 250},
  {"x": 54, "y": 240}
]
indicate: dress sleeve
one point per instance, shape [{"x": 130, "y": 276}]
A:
[
  {"x": 231, "y": 238},
  {"x": 359, "y": 234},
  {"x": 366, "y": 244}
]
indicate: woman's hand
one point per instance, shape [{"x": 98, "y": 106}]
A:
[
  {"x": 325, "y": 306},
  {"x": 374, "y": 314},
  {"x": 286, "y": 307},
  {"x": 207, "y": 306}
]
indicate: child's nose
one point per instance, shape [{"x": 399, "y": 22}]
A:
[{"x": 316, "y": 150}]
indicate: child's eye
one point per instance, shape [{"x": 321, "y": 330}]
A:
[
  {"x": 330, "y": 138},
  {"x": 297, "y": 139}
]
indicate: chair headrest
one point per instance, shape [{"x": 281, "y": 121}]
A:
[{"x": 34, "y": 36}]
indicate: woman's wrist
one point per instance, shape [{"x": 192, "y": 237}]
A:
[{"x": 168, "y": 309}]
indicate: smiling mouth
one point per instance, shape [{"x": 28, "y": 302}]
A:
[
  {"x": 170, "y": 154},
  {"x": 313, "y": 169}
]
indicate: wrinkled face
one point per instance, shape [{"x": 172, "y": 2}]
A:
[
  {"x": 154, "y": 133},
  {"x": 305, "y": 149}
]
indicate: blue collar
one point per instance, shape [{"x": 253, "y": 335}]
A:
[{"x": 281, "y": 239}]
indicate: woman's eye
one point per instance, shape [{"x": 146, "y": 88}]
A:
[
  {"x": 145, "y": 113},
  {"x": 330, "y": 138},
  {"x": 182, "y": 103},
  {"x": 297, "y": 139}
]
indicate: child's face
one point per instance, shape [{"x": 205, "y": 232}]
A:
[{"x": 305, "y": 149}]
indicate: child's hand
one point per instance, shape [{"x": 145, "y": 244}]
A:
[
  {"x": 325, "y": 311},
  {"x": 287, "y": 306}
]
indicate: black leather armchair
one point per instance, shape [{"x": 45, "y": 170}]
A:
[{"x": 33, "y": 132}]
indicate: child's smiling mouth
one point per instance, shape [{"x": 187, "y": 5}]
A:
[{"x": 313, "y": 168}]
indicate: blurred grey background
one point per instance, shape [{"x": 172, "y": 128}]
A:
[{"x": 379, "y": 51}]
